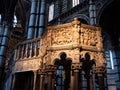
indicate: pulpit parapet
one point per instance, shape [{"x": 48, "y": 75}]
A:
[{"x": 75, "y": 39}]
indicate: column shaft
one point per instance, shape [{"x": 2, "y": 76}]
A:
[
  {"x": 13, "y": 82},
  {"x": 42, "y": 18},
  {"x": 100, "y": 73},
  {"x": 92, "y": 13},
  {"x": 3, "y": 50},
  {"x": 90, "y": 83},
  {"x": 76, "y": 78},
  {"x": 1, "y": 33},
  {"x": 37, "y": 19},
  {"x": 32, "y": 21},
  {"x": 41, "y": 82},
  {"x": 76, "y": 67},
  {"x": 34, "y": 81},
  {"x": 101, "y": 82},
  {"x": 49, "y": 81},
  {"x": 71, "y": 81},
  {"x": 50, "y": 69}
]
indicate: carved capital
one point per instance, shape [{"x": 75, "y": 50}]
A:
[
  {"x": 41, "y": 71},
  {"x": 50, "y": 68},
  {"x": 76, "y": 66},
  {"x": 100, "y": 70}
]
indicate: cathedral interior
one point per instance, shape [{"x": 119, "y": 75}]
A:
[{"x": 59, "y": 45}]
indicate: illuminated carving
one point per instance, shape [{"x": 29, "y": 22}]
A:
[
  {"x": 75, "y": 39},
  {"x": 65, "y": 35}
]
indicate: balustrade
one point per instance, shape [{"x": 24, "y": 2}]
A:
[{"x": 28, "y": 49}]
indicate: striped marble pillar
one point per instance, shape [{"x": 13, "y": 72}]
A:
[
  {"x": 92, "y": 13},
  {"x": 32, "y": 21},
  {"x": 37, "y": 19},
  {"x": 5, "y": 37},
  {"x": 42, "y": 18}
]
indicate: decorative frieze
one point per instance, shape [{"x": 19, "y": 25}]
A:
[{"x": 27, "y": 65}]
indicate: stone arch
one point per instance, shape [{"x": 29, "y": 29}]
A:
[
  {"x": 83, "y": 53},
  {"x": 101, "y": 10},
  {"x": 62, "y": 55},
  {"x": 107, "y": 43},
  {"x": 79, "y": 16},
  {"x": 111, "y": 27},
  {"x": 63, "y": 70},
  {"x": 55, "y": 61},
  {"x": 87, "y": 64},
  {"x": 57, "y": 55},
  {"x": 90, "y": 56}
]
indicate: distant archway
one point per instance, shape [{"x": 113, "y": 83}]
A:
[
  {"x": 109, "y": 21},
  {"x": 81, "y": 17}
]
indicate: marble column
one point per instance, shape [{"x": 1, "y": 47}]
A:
[
  {"x": 3, "y": 49},
  {"x": 90, "y": 83},
  {"x": 37, "y": 19},
  {"x": 13, "y": 82},
  {"x": 42, "y": 74},
  {"x": 100, "y": 74},
  {"x": 71, "y": 81},
  {"x": 92, "y": 79},
  {"x": 76, "y": 68},
  {"x": 50, "y": 69},
  {"x": 34, "y": 81},
  {"x": 1, "y": 32},
  {"x": 50, "y": 74},
  {"x": 92, "y": 12},
  {"x": 32, "y": 20},
  {"x": 42, "y": 18},
  {"x": 41, "y": 82},
  {"x": 1, "y": 57}
]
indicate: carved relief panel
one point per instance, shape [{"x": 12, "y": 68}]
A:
[
  {"x": 74, "y": 39},
  {"x": 91, "y": 37},
  {"x": 66, "y": 34}
]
